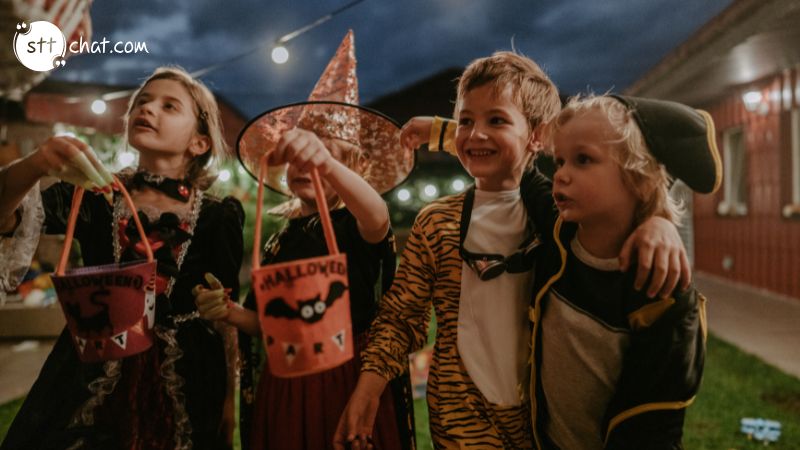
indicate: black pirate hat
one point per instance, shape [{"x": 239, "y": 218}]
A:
[{"x": 681, "y": 138}]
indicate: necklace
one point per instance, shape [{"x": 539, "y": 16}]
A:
[
  {"x": 173, "y": 188},
  {"x": 120, "y": 211}
]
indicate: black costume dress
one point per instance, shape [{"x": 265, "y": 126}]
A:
[
  {"x": 170, "y": 396},
  {"x": 302, "y": 412}
]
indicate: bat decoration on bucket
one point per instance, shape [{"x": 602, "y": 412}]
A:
[
  {"x": 95, "y": 323},
  {"x": 309, "y": 311}
]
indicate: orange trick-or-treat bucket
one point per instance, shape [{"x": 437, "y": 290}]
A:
[
  {"x": 303, "y": 305},
  {"x": 110, "y": 309}
]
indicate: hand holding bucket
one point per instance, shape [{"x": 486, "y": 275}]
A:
[
  {"x": 110, "y": 309},
  {"x": 303, "y": 305}
]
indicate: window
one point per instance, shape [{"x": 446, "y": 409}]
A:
[
  {"x": 796, "y": 156},
  {"x": 734, "y": 202},
  {"x": 793, "y": 209}
]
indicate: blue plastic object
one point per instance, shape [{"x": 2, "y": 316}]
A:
[{"x": 761, "y": 429}]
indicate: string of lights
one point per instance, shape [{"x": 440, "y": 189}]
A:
[{"x": 279, "y": 55}]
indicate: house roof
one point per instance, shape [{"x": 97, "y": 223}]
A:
[{"x": 749, "y": 40}]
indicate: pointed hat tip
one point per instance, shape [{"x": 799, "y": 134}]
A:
[{"x": 339, "y": 82}]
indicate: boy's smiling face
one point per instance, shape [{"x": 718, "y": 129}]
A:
[{"x": 493, "y": 139}]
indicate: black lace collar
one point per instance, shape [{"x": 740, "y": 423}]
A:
[{"x": 178, "y": 189}]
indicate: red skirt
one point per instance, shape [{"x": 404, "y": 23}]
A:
[{"x": 302, "y": 413}]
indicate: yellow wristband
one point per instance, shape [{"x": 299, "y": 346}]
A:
[{"x": 436, "y": 133}]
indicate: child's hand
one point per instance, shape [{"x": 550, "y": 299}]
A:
[
  {"x": 73, "y": 161},
  {"x": 213, "y": 303},
  {"x": 660, "y": 255},
  {"x": 358, "y": 418},
  {"x": 304, "y": 150},
  {"x": 416, "y": 132},
  {"x": 355, "y": 426}
]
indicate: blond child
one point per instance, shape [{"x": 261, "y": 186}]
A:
[
  {"x": 470, "y": 256},
  {"x": 352, "y": 149},
  {"x": 613, "y": 368},
  {"x": 173, "y": 395},
  {"x": 282, "y": 417}
]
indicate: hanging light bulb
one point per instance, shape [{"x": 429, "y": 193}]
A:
[
  {"x": 403, "y": 195},
  {"x": 430, "y": 191},
  {"x": 751, "y": 100},
  {"x": 280, "y": 54},
  {"x": 98, "y": 106}
]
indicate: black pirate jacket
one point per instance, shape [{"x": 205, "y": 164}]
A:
[{"x": 660, "y": 347}]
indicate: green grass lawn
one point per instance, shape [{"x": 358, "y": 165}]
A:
[
  {"x": 735, "y": 385},
  {"x": 7, "y": 413},
  {"x": 421, "y": 424}
]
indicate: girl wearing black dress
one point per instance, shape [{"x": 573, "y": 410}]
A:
[{"x": 171, "y": 396}]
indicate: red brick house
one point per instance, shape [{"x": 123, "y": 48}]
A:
[{"x": 743, "y": 67}]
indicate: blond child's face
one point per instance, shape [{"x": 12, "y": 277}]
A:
[
  {"x": 493, "y": 139},
  {"x": 587, "y": 185},
  {"x": 163, "y": 121}
]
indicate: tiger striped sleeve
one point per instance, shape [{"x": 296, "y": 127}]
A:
[{"x": 401, "y": 326}]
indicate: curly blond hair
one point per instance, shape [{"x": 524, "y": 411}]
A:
[{"x": 641, "y": 172}]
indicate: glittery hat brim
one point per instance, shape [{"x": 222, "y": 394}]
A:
[{"x": 388, "y": 163}]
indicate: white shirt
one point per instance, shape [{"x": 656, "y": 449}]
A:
[{"x": 493, "y": 331}]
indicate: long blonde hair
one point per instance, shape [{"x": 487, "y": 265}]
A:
[{"x": 201, "y": 171}]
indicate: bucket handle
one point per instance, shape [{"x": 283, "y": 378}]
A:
[
  {"x": 322, "y": 207},
  {"x": 77, "y": 197}
]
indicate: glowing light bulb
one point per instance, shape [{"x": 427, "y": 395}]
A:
[
  {"x": 430, "y": 190},
  {"x": 99, "y": 107},
  {"x": 280, "y": 54},
  {"x": 403, "y": 195}
]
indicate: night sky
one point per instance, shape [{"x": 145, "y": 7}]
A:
[{"x": 582, "y": 44}]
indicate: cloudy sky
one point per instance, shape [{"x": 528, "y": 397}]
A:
[{"x": 582, "y": 44}]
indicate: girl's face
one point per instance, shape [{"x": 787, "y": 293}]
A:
[
  {"x": 587, "y": 185},
  {"x": 163, "y": 122}
]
